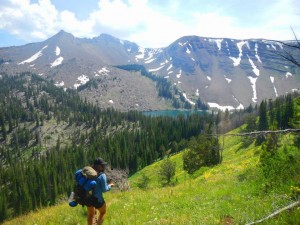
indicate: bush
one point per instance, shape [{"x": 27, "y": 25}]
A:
[
  {"x": 143, "y": 182},
  {"x": 167, "y": 171},
  {"x": 279, "y": 164},
  {"x": 203, "y": 151}
]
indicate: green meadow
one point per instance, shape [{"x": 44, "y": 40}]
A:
[{"x": 233, "y": 192}]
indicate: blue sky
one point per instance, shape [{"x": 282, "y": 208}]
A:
[{"x": 149, "y": 23}]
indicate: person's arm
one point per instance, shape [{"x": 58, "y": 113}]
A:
[{"x": 104, "y": 186}]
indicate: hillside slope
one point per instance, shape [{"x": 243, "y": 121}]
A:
[{"x": 234, "y": 192}]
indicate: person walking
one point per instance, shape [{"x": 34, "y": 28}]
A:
[{"x": 98, "y": 202}]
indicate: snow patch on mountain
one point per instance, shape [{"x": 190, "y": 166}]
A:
[
  {"x": 188, "y": 51},
  {"x": 57, "y": 51},
  {"x": 288, "y": 74},
  {"x": 170, "y": 67},
  {"x": 192, "y": 59},
  {"x": 102, "y": 71},
  {"x": 170, "y": 72},
  {"x": 156, "y": 69},
  {"x": 227, "y": 79},
  {"x": 240, "y": 106},
  {"x": 256, "y": 53},
  {"x": 253, "y": 85},
  {"x": 151, "y": 53},
  {"x": 149, "y": 61},
  {"x": 83, "y": 79},
  {"x": 275, "y": 90},
  {"x": 197, "y": 92},
  {"x": 165, "y": 62},
  {"x": 208, "y": 78},
  {"x": 219, "y": 43},
  {"x": 166, "y": 77},
  {"x": 222, "y": 108},
  {"x": 61, "y": 84},
  {"x": 179, "y": 74},
  {"x": 280, "y": 45},
  {"x": 34, "y": 57},
  {"x": 111, "y": 101},
  {"x": 57, "y": 61},
  {"x": 141, "y": 55},
  {"x": 187, "y": 99},
  {"x": 247, "y": 43},
  {"x": 254, "y": 68},
  {"x": 237, "y": 61},
  {"x": 273, "y": 46},
  {"x": 183, "y": 44}
]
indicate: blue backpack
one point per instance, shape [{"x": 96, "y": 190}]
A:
[{"x": 85, "y": 183}]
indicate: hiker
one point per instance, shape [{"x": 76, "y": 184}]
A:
[{"x": 98, "y": 202}]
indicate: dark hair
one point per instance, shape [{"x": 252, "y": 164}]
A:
[{"x": 99, "y": 161}]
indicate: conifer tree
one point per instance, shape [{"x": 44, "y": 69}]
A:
[{"x": 262, "y": 122}]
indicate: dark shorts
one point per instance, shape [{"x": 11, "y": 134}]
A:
[{"x": 93, "y": 201}]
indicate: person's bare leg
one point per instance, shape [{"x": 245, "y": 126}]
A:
[
  {"x": 90, "y": 216},
  {"x": 102, "y": 212}
]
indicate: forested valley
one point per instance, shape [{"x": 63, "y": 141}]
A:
[{"x": 47, "y": 133}]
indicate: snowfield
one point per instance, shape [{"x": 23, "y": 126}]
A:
[
  {"x": 237, "y": 61},
  {"x": 57, "y": 51},
  {"x": 57, "y": 62},
  {"x": 34, "y": 57},
  {"x": 157, "y": 69},
  {"x": 253, "y": 85},
  {"x": 83, "y": 79},
  {"x": 254, "y": 68}
]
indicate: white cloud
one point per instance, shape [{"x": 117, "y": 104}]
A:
[
  {"x": 70, "y": 23},
  {"x": 151, "y": 25},
  {"x": 31, "y": 21}
]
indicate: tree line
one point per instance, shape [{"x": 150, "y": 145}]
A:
[{"x": 166, "y": 89}]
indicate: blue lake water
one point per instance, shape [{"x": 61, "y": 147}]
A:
[{"x": 173, "y": 113}]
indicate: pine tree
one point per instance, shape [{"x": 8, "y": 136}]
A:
[
  {"x": 262, "y": 122},
  {"x": 263, "y": 119}
]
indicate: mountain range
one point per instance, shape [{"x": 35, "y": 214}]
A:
[{"x": 223, "y": 73}]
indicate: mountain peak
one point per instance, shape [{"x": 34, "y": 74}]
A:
[
  {"x": 108, "y": 37},
  {"x": 63, "y": 35}
]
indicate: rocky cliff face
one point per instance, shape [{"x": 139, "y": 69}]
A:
[
  {"x": 226, "y": 72},
  {"x": 222, "y": 72}
]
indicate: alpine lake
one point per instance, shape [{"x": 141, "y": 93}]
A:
[{"x": 174, "y": 112}]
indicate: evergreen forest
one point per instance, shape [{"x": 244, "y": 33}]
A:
[{"x": 47, "y": 133}]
